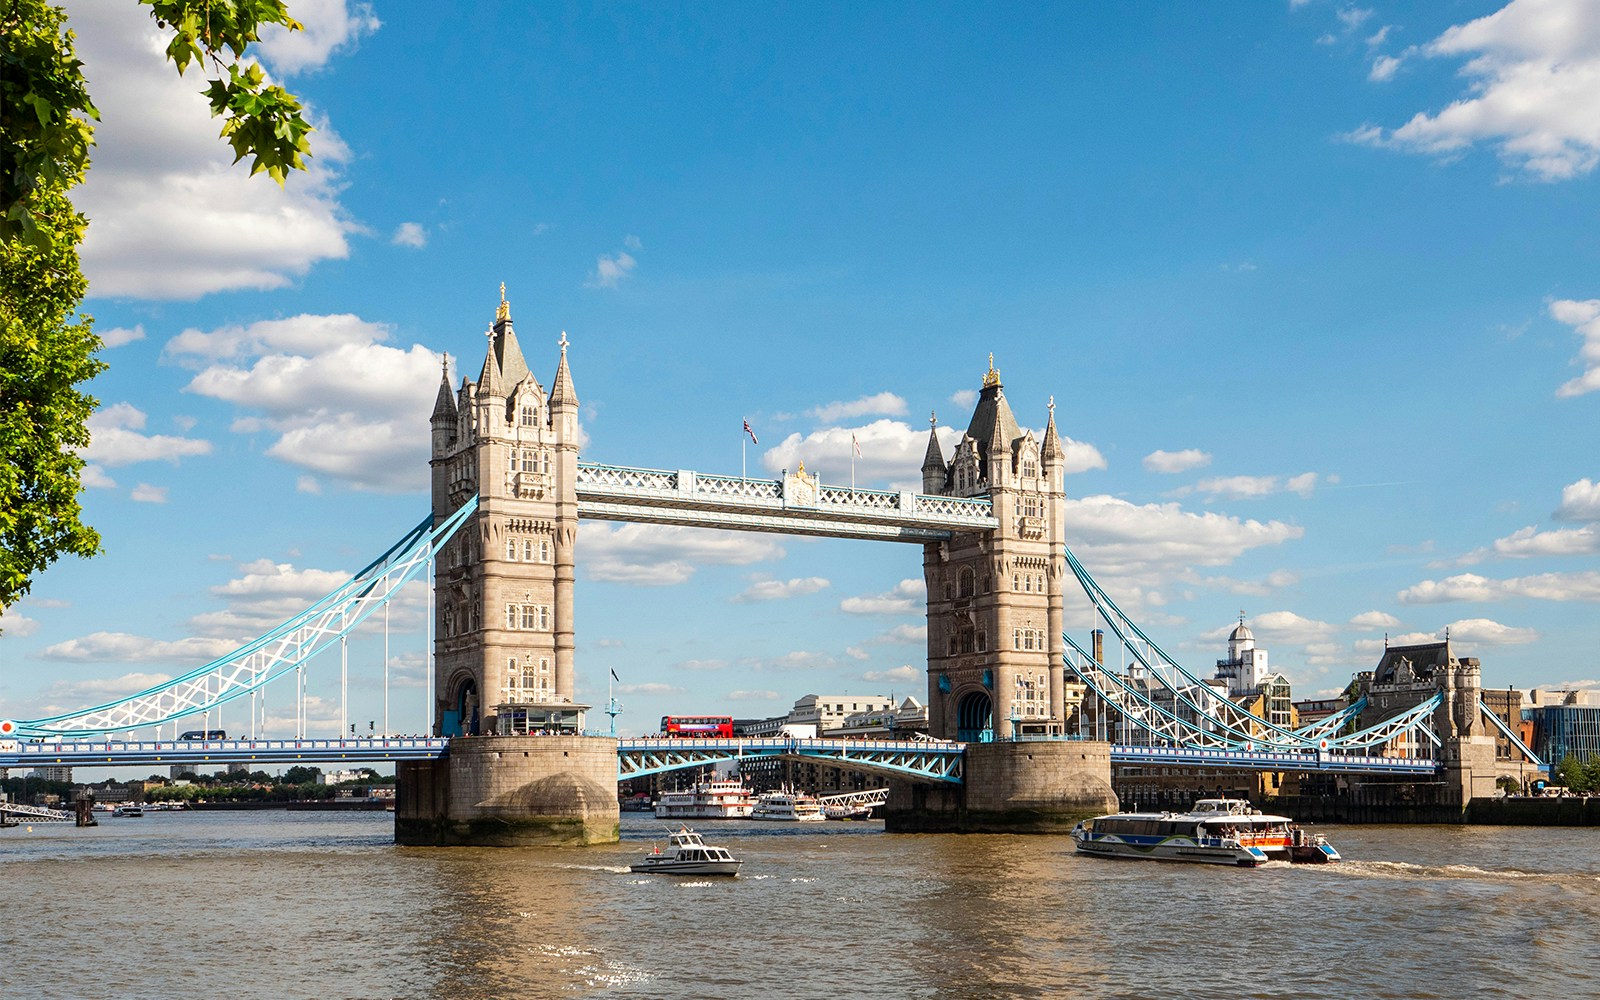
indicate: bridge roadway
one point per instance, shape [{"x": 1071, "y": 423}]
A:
[{"x": 926, "y": 760}]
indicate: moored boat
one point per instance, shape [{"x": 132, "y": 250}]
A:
[
  {"x": 129, "y": 810},
  {"x": 717, "y": 799},
  {"x": 787, "y": 806},
  {"x": 688, "y": 854},
  {"x": 1213, "y": 831}
]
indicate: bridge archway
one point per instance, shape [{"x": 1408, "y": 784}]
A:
[
  {"x": 974, "y": 717},
  {"x": 461, "y": 717}
]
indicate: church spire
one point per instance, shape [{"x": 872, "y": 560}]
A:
[{"x": 1052, "y": 451}]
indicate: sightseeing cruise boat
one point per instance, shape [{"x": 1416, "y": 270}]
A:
[
  {"x": 715, "y": 799},
  {"x": 794, "y": 807},
  {"x": 1213, "y": 831},
  {"x": 687, "y": 854}
]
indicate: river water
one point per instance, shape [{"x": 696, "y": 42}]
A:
[{"x": 281, "y": 904}]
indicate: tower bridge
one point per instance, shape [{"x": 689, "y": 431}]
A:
[{"x": 1008, "y": 751}]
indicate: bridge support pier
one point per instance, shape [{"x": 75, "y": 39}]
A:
[
  {"x": 511, "y": 791},
  {"x": 1021, "y": 787}
]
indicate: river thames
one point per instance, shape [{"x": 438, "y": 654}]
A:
[{"x": 296, "y": 904}]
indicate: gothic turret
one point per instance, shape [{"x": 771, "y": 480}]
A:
[
  {"x": 443, "y": 420},
  {"x": 993, "y": 428},
  {"x": 933, "y": 468}
]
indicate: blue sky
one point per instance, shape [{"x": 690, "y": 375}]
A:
[{"x": 1313, "y": 286}]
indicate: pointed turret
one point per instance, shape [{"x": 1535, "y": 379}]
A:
[
  {"x": 444, "y": 407},
  {"x": 489, "y": 382},
  {"x": 933, "y": 467},
  {"x": 993, "y": 427},
  {"x": 1052, "y": 452},
  {"x": 561, "y": 391},
  {"x": 507, "y": 352}
]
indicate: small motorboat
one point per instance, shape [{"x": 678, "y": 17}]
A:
[{"x": 687, "y": 854}]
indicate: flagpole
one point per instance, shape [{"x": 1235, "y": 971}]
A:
[{"x": 741, "y": 458}]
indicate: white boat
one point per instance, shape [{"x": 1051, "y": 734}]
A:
[
  {"x": 717, "y": 799},
  {"x": 1213, "y": 831},
  {"x": 128, "y": 810},
  {"x": 687, "y": 854},
  {"x": 793, "y": 807}
]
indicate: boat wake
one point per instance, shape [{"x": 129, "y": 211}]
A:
[{"x": 1406, "y": 871}]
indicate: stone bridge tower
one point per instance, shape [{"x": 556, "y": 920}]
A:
[
  {"x": 995, "y": 599},
  {"x": 503, "y": 585}
]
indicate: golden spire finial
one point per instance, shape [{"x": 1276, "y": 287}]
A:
[
  {"x": 993, "y": 377},
  {"x": 503, "y": 311}
]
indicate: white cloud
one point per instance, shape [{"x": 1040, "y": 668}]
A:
[
  {"x": 609, "y": 271},
  {"x": 905, "y": 674},
  {"x": 885, "y": 403},
  {"x": 702, "y": 664},
  {"x": 1251, "y": 487},
  {"x": 1176, "y": 461},
  {"x": 95, "y": 478},
  {"x": 328, "y": 26},
  {"x": 1288, "y": 627},
  {"x": 754, "y": 696},
  {"x": 99, "y": 688},
  {"x": 654, "y": 555},
  {"x": 1582, "y": 586},
  {"x": 1533, "y": 68},
  {"x": 122, "y": 647},
  {"x": 114, "y": 439},
  {"x": 172, "y": 215},
  {"x": 1383, "y": 69},
  {"x": 1584, "y": 317},
  {"x": 265, "y": 594},
  {"x": 1380, "y": 36},
  {"x": 1353, "y": 17},
  {"x": 1580, "y": 501},
  {"x": 902, "y": 635},
  {"x": 1136, "y": 547},
  {"x": 649, "y": 688},
  {"x": 15, "y": 624},
  {"x": 120, "y": 335},
  {"x": 778, "y": 590},
  {"x": 145, "y": 493},
  {"x": 341, "y": 402},
  {"x": 906, "y": 598},
  {"x": 965, "y": 398},
  {"x": 308, "y": 484},
  {"x": 1484, "y": 632},
  {"x": 410, "y": 234},
  {"x": 1530, "y": 542},
  {"x": 1374, "y": 619}
]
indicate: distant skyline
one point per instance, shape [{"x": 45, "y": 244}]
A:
[{"x": 1313, "y": 287}]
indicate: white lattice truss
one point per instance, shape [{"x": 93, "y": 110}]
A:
[
  {"x": 692, "y": 499},
  {"x": 1176, "y": 707},
  {"x": 927, "y": 761},
  {"x": 273, "y": 655}
]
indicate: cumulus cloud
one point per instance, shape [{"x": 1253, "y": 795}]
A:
[
  {"x": 100, "y": 688},
  {"x": 1176, "y": 461},
  {"x": 1581, "y": 586},
  {"x": 1131, "y": 547},
  {"x": 904, "y": 674},
  {"x": 651, "y": 687},
  {"x": 1584, "y": 317},
  {"x": 1485, "y": 632},
  {"x": 885, "y": 403},
  {"x": 778, "y": 590},
  {"x": 172, "y": 217},
  {"x": 754, "y": 695},
  {"x": 1374, "y": 619},
  {"x": 1288, "y": 627},
  {"x": 15, "y": 624},
  {"x": 115, "y": 439},
  {"x": 902, "y": 635},
  {"x": 906, "y": 598},
  {"x": 123, "y": 647},
  {"x": 340, "y": 401},
  {"x": 1532, "y": 70},
  {"x": 1530, "y": 542},
  {"x": 118, "y": 336},
  {"x": 965, "y": 398},
  {"x": 1580, "y": 501},
  {"x": 410, "y": 234},
  {"x": 1383, "y": 69},
  {"x": 145, "y": 493},
  {"x": 654, "y": 555},
  {"x": 328, "y": 26},
  {"x": 1252, "y": 487}
]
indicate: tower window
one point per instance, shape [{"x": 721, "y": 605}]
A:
[
  {"x": 527, "y": 414},
  {"x": 964, "y": 586}
]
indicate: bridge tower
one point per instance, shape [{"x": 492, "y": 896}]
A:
[
  {"x": 995, "y": 598},
  {"x": 519, "y": 772},
  {"x": 995, "y": 669},
  {"x": 503, "y": 586}
]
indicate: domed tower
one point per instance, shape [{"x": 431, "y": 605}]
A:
[
  {"x": 995, "y": 598},
  {"x": 503, "y": 586}
]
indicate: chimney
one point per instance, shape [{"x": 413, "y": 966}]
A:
[{"x": 1099, "y": 638}]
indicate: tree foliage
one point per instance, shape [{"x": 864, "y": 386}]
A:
[{"x": 46, "y": 347}]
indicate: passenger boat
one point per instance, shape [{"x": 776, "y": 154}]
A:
[
  {"x": 793, "y": 807},
  {"x": 128, "y": 810},
  {"x": 1214, "y": 831},
  {"x": 687, "y": 854},
  {"x": 717, "y": 799}
]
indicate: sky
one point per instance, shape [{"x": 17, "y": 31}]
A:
[{"x": 1313, "y": 286}]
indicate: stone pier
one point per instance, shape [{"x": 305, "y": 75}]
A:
[
  {"x": 511, "y": 791},
  {"x": 1021, "y": 787}
]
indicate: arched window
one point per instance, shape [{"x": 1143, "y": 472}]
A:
[
  {"x": 527, "y": 414},
  {"x": 511, "y": 547},
  {"x": 964, "y": 582},
  {"x": 527, "y": 550}
]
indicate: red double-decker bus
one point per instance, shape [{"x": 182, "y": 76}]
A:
[{"x": 707, "y": 726}]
